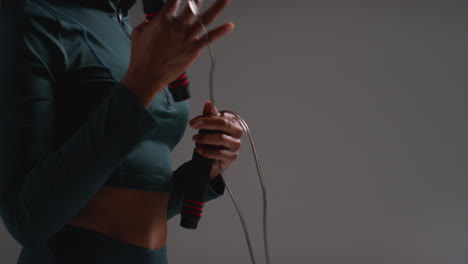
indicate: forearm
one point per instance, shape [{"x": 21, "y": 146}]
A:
[{"x": 52, "y": 192}]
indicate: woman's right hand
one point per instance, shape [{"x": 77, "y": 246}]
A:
[{"x": 163, "y": 48}]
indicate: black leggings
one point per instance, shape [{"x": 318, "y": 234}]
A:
[{"x": 79, "y": 245}]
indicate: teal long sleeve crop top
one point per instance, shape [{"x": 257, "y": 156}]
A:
[{"x": 69, "y": 126}]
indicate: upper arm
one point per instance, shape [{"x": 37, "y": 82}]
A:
[
  {"x": 44, "y": 183},
  {"x": 28, "y": 102}
]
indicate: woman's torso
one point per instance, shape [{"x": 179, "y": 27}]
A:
[
  {"x": 130, "y": 215},
  {"x": 132, "y": 205}
]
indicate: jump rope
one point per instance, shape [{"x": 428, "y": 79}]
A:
[{"x": 195, "y": 187}]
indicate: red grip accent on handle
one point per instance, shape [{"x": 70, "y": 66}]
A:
[{"x": 190, "y": 212}]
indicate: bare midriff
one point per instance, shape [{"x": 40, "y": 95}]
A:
[{"x": 133, "y": 216}]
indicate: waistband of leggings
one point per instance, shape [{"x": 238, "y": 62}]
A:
[{"x": 91, "y": 238}]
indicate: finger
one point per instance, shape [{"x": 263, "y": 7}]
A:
[
  {"x": 213, "y": 11},
  {"x": 217, "y": 153},
  {"x": 207, "y": 109},
  {"x": 187, "y": 13},
  {"x": 209, "y": 16},
  {"x": 218, "y": 139},
  {"x": 223, "y": 124},
  {"x": 214, "y": 35},
  {"x": 170, "y": 7}
]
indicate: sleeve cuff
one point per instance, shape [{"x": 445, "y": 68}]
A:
[
  {"x": 216, "y": 188},
  {"x": 122, "y": 89}
]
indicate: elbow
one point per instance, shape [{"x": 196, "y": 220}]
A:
[
  {"x": 171, "y": 212},
  {"x": 29, "y": 239},
  {"x": 25, "y": 231},
  {"x": 27, "y": 236}
]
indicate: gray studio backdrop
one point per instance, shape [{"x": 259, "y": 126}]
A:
[{"x": 358, "y": 110}]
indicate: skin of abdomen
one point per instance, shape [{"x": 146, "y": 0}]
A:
[{"x": 133, "y": 216}]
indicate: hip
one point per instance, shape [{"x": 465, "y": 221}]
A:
[{"x": 73, "y": 245}]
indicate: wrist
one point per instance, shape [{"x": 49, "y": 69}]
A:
[
  {"x": 217, "y": 185},
  {"x": 214, "y": 173},
  {"x": 144, "y": 90}
]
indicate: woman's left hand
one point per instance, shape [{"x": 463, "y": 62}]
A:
[{"x": 225, "y": 142}]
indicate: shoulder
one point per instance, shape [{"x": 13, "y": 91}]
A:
[
  {"x": 41, "y": 35},
  {"x": 39, "y": 10},
  {"x": 39, "y": 18}
]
